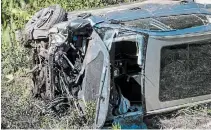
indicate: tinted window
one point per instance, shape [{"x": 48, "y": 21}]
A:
[{"x": 185, "y": 71}]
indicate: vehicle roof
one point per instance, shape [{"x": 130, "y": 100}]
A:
[
  {"x": 194, "y": 30},
  {"x": 154, "y": 10}
]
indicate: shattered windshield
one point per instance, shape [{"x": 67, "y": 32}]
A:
[{"x": 169, "y": 22}]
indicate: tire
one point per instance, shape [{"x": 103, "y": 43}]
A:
[{"x": 38, "y": 26}]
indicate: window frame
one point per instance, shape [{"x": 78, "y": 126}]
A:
[{"x": 186, "y": 58}]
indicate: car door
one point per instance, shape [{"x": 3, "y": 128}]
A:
[
  {"x": 177, "y": 72},
  {"x": 96, "y": 82}
]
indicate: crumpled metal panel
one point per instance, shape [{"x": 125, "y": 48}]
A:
[
  {"x": 109, "y": 36},
  {"x": 97, "y": 67},
  {"x": 93, "y": 73}
]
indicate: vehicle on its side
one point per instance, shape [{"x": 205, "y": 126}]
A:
[{"x": 135, "y": 61}]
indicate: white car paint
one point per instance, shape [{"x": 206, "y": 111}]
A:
[{"x": 203, "y": 1}]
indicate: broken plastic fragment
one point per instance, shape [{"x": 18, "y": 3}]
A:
[
  {"x": 140, "y": 43},
  {"x": 109, "y": 36},
  {"x": 209, "y": 18}
]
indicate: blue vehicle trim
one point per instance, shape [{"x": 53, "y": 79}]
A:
[
  {"x": 153, "y": 10},
  {"x": 156, "y": 10},
  {"x": 150, "y": 11},
  {"x": 198, "y": 29}
]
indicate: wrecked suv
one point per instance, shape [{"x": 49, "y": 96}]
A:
[{"x": 135, "y": 61}]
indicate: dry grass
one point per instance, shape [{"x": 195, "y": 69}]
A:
[
  {"x": 197, "y": 117},
  {"x": 188, "y": 119},
  {"x": 21, "y": 111}
]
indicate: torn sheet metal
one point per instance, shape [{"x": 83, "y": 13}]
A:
[
  {"x": 96, "y": 20},
  {"x": 96, "y": 83},
  {"x": 109, "y": 36}
]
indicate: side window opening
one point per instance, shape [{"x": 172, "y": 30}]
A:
[
  {"x": 185, "y": 71},
  {"x": 125, "y": 78},
  {"x": 126, "y": 67}
]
